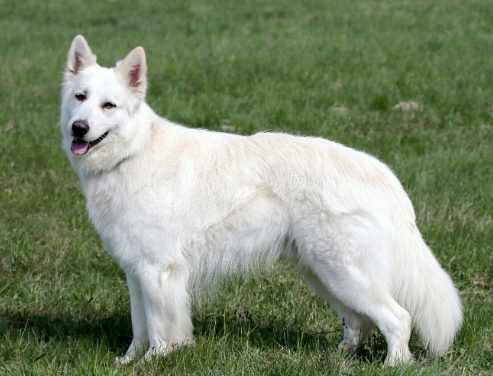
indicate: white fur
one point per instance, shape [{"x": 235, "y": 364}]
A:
[{"x": 178, "y": 208}]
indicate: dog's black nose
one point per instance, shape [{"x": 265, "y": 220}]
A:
[{"x": 80, "y": 128}]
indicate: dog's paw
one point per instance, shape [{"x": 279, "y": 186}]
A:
[
  {"x": 346, "y": 346},
  {"x": 154, "y": 352},
  {"x": 397, "y": 357},
  {"x": 121, "y": 361},
  {"x": 163, "y": 350},
  {"x": 136, "y": 349}
]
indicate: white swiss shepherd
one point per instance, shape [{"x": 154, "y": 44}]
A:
[{"x": 180, "y": 208}]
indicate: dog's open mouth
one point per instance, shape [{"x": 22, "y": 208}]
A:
[{"x": 80, "y": 147}]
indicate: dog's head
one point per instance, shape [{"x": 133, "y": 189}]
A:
[{"x": 99, "y": 107}]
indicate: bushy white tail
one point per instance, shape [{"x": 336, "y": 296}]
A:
[{"x": 426, "y": 291}]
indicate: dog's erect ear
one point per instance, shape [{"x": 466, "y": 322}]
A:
[
  {"x": 133, "y": 70},
  {"x": 79, "y": 57}
]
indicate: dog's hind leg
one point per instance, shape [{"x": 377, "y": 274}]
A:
[
  {"x": 356, "y": 326},
  {"x": 359, "y": 306},
  {"x": 364, "y": 300},
  {"x": 352, "y": 258}
]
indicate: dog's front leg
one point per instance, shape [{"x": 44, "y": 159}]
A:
[
  {"x": 140, "y": 340},
  {"x": 167, "y": 307}
]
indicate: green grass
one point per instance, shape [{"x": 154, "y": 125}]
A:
[{"x": 247, "y": 66}]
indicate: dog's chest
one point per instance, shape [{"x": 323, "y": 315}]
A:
[{"x": 124, "y": 210}]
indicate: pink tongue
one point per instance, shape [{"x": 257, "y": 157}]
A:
[{"x": 79, "y": 147}]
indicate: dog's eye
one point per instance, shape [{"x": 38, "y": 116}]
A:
[
  {"x": 80, "y": 97},
  {"x": 108, "y": 105}
]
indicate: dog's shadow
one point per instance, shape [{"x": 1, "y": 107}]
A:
[
  {"x": 115, "y": 331},
  {"x": 277, "y": 334}
]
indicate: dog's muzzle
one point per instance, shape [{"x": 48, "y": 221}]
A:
[{"x": 79, "y": 145}]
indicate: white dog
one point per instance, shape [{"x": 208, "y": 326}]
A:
[{"x": 178, "y": 208}]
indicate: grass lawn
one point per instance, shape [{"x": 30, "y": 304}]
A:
[{"x": 326, "y": 68}]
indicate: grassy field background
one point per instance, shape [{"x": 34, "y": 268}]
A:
[{"x": 326, "y": 68}]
